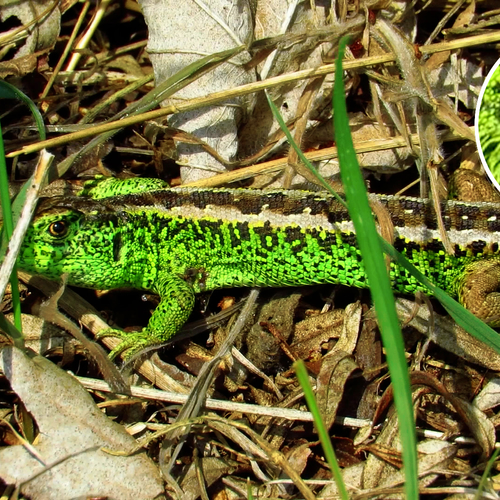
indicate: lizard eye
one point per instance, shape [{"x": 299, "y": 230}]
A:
[{"x": 58, "y": 229}]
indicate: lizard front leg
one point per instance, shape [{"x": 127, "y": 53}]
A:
[
  {"x": 478, "y": 287},
  {"x": 176, "y": 304}
]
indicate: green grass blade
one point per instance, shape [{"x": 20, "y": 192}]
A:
[
  {"x": 8, "y": 91},
  {"x": 321, "y": 429},
  {"x": 249, "y": 490},
  {"x": 10, "y": 214},
  {"x": 380, "y": 286},
  {"x": 13, "y": 332},
  {"x": 486, "y": 475},
  {"x": 6, "y": 232},
  {"x": 381, "y": 291}
]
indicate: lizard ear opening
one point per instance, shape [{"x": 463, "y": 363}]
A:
[{"x": 58, "y": 229}]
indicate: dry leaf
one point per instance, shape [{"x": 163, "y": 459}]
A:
[
  {"x": 489, "y": 397},
  {"x": 42, "y": 20},
  {"x": 336, "y": 369},
  {"x": 195, "y": 30},
  {"x": 211, "y": 469},
  {"x": 72, "y": 432}
]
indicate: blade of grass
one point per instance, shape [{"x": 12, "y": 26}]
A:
[
  {"x": 386, "y": 311},
  {"x": 249, "y": 490},
  {"x": 9, "y": 267},
  {"x": 376, "y": 271},
  {"x": 486, "y": 475},
  {"x": 8, "y": 91},
  {"x": 28, "y": 209},
  {"x": 303, "y": 378},
  {"x": 6, "y": 232},
  {"x": 7, "y": 327},
  {"x": 300, "y": 154},
  {"x": 462, "y": 316}
]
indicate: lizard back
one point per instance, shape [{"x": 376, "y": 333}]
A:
[{"x": 242, "y": 237}]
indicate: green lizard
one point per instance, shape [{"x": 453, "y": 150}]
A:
[{"x": 178, "y": 242}]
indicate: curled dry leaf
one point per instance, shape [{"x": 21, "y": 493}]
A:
[
  {"x": 18, "y": 67},
  {"x": 383, "y": 466},
  {"x": 265, "y": 349},
  {"x": 337, "y": 366},
  {"x": 479, "y": 425}
]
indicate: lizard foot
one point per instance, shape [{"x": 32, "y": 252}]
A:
[{"x": 132, "y": 342}]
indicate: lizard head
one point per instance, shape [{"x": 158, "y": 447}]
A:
[{"x": 73, "y": 237}]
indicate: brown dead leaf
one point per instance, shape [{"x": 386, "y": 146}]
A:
[
  {"x": 18, "y": 67},
  {"x": 206, "y": 469},
  {"x": 311, "y": 333},
  {"x": 334, "y": 373}
]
